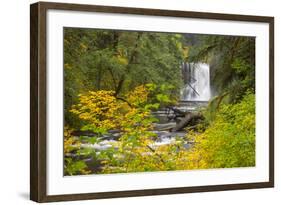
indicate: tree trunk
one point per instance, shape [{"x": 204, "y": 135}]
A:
[
  {"x": 131, "y": 60},
  {"x": 187, "y": 119}
]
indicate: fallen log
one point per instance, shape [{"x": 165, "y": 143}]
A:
[
  {"x": 175, "y": 113},
  {"x": 189, "y": 117},
  {"x": 165, "y": 126}
]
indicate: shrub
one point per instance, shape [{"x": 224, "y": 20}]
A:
[{"x": 229, "y": 140}]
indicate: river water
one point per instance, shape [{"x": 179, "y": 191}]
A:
[{"x": 195, "y": 93}]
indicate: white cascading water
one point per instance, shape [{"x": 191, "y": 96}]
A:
[{"x": 197, "y": 82}]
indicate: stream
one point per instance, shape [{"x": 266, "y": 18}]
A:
[{"x": 194, "y": 94}]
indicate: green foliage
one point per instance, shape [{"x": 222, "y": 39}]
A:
[
  {"x": 135, "y": 151},
  {"x": 214, "y": 105},
  {"x": 117, "y": 61},
  {"x": 161, "y": 95},
  {"x": 232, "y": 63},
  {"x": 113, "y": 80},
  {"x": 229, "y": 141},
  {"x": 72, "y": 145},
  {"x": 73, "y": 167}
]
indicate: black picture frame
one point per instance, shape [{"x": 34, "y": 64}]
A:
[{"x": 38, "y": 100}]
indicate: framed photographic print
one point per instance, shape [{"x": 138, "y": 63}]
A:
[{"x": 134, "y": 102}]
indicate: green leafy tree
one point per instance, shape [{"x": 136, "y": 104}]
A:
[
  {"x": 232, "y": 63},
  {"x": 118, "y": 61}
]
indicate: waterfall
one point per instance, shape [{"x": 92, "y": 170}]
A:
[{"x": 196, "y": 78}]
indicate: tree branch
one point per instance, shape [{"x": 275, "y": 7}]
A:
[{"x": 124, "y": 100}]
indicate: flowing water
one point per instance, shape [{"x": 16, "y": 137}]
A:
[
  {"x": 196, "y": 77},
  {"x": 194, "y": 94}
]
